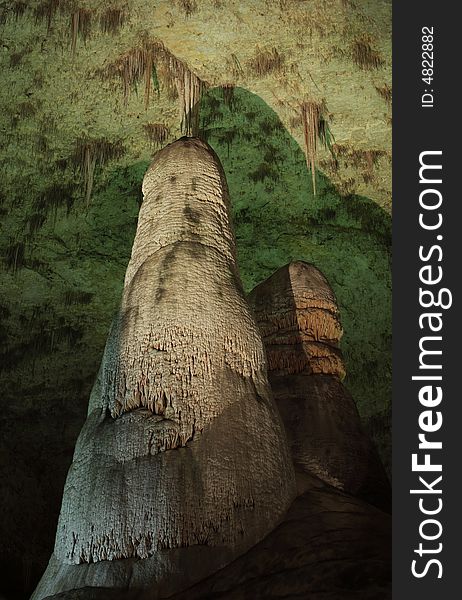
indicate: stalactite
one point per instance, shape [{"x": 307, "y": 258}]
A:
[
  {"x": 112, "y": 20},
  {"x": 132, "y": 67},
  {"x": 89, "y": 164},
  {"x": 139, "y": 64},
  {"x": 157, "y": 133},
  {"x": 365, "y": 56},
  {"x": 385, "y": 92},
  {"x": 46, "y": 10},
  {"x": 311, "y": 112},
  {"x": 19, "y": 8},
  {"x": 90, "y": 153},
  {"x": 315, "y": 127},
  {"x": 15, "y": 255},
  {"x": 147, "y": 78},
  {"x": 15, "y": 9},
  {"x": 227, "y": 91},
  {"x": 266, "y": 61},
  {"x": 234, "y": 66},
  {"x": 74, "y": 30},
  {"x": 33, "y": 223},
  {"x": 190, "y": 89},
  {"x": 365, "y": 160},
  {"x": 53, "y": 197},
  {"x": 80, "y": 26},
  {"x": 76, "y": 297},
  {"x": 187, "y": 6}
]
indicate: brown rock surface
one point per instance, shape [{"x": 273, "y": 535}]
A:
[
  {"x": 299, "y": 319},
  {"x": 328, "y": 546}
]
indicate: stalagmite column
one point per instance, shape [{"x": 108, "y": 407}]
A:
[
  {"x": 182, "y": 463},
  {"x": 299, "y": 320}
]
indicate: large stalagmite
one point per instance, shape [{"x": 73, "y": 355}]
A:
[
  {"x": 298, "y": 316},
  {"x": 182, "y": 463}
]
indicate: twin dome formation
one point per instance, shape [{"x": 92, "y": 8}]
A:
[{"x": 184, "y": 463}]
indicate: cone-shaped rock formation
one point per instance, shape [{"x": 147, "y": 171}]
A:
[
  {"x": 183, "y": 462},
  {"x": 298, "y": 316}
]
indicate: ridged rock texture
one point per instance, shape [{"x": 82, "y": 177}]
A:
[
  {"x": 183, "y": 462},
  {"x": 298, "y": 317},
  {"x": 329, "y": 546}
]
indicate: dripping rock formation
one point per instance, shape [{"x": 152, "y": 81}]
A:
[
  {"x": 298, "y": 317},
  {"x": 183, "y": 463}
]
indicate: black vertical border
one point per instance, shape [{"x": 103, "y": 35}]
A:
[{"x": 417, "y": 129}]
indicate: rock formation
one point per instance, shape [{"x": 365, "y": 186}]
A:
[
  {"x": 182, "y": 464},
  {"x": 298, "y": 317},
  {"x": 329, "y": 546},
  {"x": 182, "y": 483}
]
